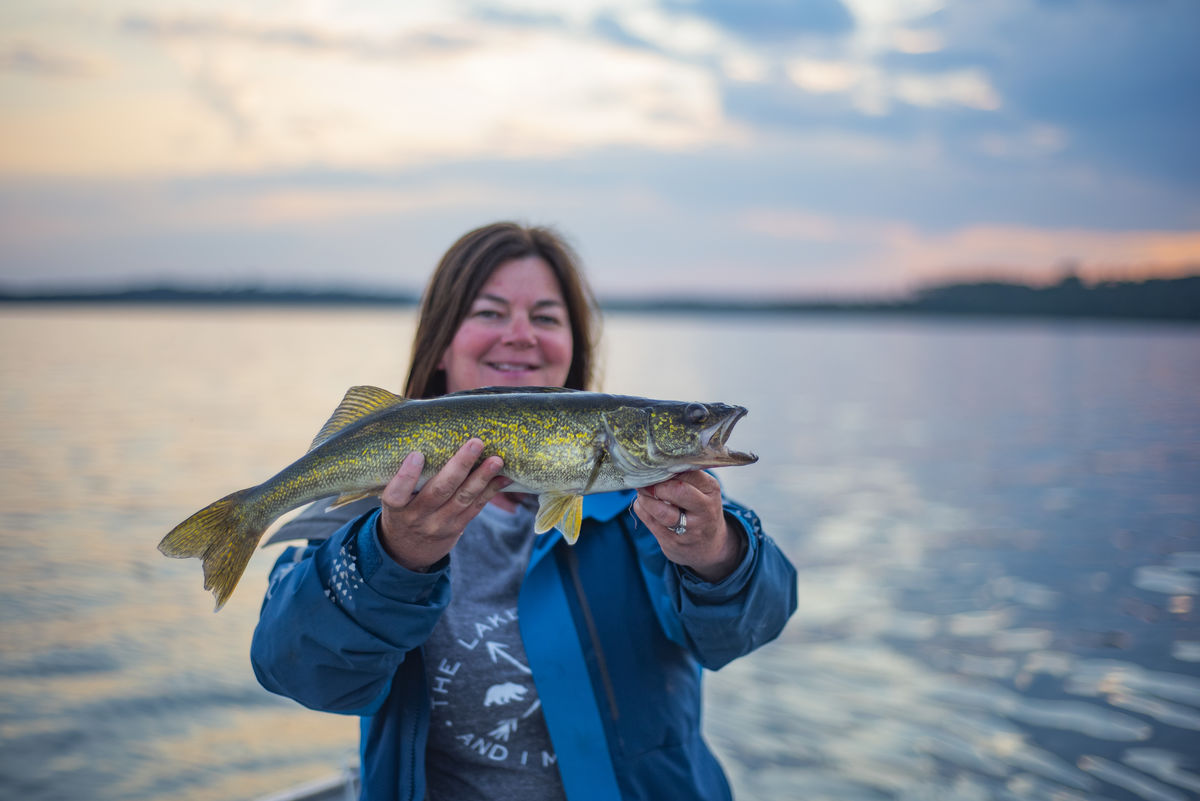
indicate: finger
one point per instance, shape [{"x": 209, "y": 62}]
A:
[
  {"x": 467, "y": 504},
  {"x": 399, "y": 490},
  {"x": 443, "y": 486},
  {"x": 474, "y": 490},
  {"x": 691, "y": 490},
  {"x": 705, "y": 483},
  {"x": 494, "y": 487},
  {"x": 676, "y": 494},
  {"x": 656, "y": 511}
]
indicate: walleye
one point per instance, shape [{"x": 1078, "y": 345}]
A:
[{"x": 559, "y": 444}]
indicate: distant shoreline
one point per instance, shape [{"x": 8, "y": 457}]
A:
[{"x": 1175, "y": 299}]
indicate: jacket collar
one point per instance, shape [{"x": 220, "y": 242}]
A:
[{"x": 607, "y": 505}]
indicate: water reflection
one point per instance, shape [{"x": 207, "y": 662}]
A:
[
  {"x": 997, "y": 529},
  {"x": 968, "y": 572}
]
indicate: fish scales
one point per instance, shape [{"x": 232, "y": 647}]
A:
[{"x": 560, "y": 444}]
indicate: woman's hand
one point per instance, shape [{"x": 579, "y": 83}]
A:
[
  {"x": 709, "y": 546},
  {"x": 418, "y": 529}
]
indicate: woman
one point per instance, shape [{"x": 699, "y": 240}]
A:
[{"x": 486, "y": 662}]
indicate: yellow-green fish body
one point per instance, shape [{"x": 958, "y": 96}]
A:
[{"x": 558, "y": 444}]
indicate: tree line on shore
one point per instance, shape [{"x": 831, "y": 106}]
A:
[{"x": 1159, "y": 298}]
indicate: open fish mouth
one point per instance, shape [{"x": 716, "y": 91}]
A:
[{"x": 714, "y": 439}]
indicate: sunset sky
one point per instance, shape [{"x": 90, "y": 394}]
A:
[{"x": 691, "y": 146}]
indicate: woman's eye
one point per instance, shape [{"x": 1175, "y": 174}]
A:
[
  {"x": 487, "y": 314},
  {"x": 547, "y": 319}
]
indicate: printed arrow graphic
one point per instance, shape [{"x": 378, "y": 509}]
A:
[
  {"x": 498, "y": 650},
  {"x": 504, "y": 730}
]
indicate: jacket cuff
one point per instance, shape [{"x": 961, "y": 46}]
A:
[
  {"x": 382, "y": 574},
  {"x": 706, "y": 592}
]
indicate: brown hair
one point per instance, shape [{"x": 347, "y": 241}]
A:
[{"x": 460, "y": 277}]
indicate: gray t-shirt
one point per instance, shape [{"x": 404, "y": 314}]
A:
[{"x": 487, "y": 738}]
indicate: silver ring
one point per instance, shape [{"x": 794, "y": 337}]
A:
[{"x": 681, "y": 526}]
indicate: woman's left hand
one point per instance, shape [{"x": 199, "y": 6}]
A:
[{"x": 708, "y": 545}]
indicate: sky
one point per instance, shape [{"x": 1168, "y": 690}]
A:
[{"x": 693, "y": 147}]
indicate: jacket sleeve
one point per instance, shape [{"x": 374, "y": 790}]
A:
[
  {"x": 727, "y": 619},
  {"x": 339, "y": 618}
]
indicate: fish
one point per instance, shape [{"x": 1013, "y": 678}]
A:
[{"x": 559, "y": 444}]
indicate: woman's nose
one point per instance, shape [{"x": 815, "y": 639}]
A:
[{"x": 520, "y": 331}]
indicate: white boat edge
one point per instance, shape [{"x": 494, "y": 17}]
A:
[{"x": 338, "y": 787}]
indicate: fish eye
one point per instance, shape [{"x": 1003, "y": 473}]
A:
[{"x": 695, "y": 413}]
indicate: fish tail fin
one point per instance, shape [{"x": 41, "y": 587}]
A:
[{"x": 223, "y": 536}]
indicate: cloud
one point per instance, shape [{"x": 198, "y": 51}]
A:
[
  {"x": 1022, "y": 143},
  {"x": 1029, "y": 253},
  {"x": 1116, "y": 79},
  {"x": 679, "y": 35},
  {"x": 309, "y": 39},
  {"x": 875, "y": 91},
  {"x": 970, "y": 88},
  {"x": 239, "y": 94},
  {"x": 834, "y": 79},
  {"x": 39, "y": 60},
  {"x": 682, "y": 143},
  {"x": 198, "y": 207},
  {"x": 281, "y": 231},
  {"x": 1094, "y": 93},
  {"x": 896, "y": 248},
  {"x": 643, "y": 222},
  {"x": 809, "y": 226}
]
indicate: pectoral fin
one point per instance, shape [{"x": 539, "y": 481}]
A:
[
  {"x": 597, "y": 463},
  {"x": 563, "y": 510},
  {"x": 351, "y": 497}
]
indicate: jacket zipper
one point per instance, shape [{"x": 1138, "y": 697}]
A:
[
  {"x": 593, "y": 634},
  {"x": 412, "y": 763}
]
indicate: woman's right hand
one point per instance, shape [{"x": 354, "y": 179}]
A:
[{"x": 419, "y": 528}]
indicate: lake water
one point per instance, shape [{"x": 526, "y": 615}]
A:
[{"x": 996, "y": 526}]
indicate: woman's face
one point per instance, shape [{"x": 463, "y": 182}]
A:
[{"x": 516, "y": 333}]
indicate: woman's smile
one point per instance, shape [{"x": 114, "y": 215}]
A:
[{"x": 516, "y": 333}]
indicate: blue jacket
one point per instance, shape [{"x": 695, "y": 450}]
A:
[{"x": 616, "y": 637}]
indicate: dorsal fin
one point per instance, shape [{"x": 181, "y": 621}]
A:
[
  {"x": 358, "y": 403},
  {"x": 505, "y": 391}
]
